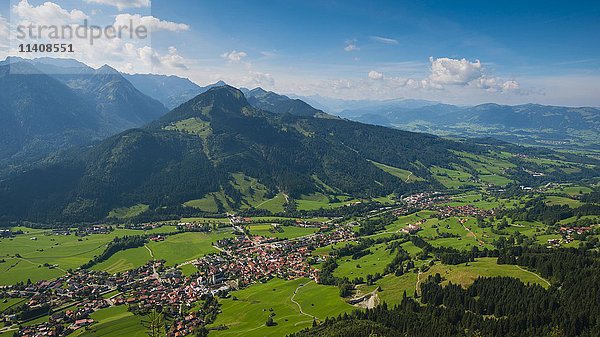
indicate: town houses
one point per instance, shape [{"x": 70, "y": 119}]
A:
[{"x": 242, "y": 260}]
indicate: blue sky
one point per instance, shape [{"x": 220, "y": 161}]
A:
[{"x": 456, "y": 52}]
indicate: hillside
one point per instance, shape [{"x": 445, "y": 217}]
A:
[
  {"x": 171, "y": 91},
  {"x": 528, "y": 123},
  {"x": 280, "y": 104},
  {"x": 215, "y": 144},
  {"x": 51, "y": 104}
]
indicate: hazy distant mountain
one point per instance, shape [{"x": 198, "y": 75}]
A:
[
  {"x": 528, "y": 123},
  {"x": 280, "y": 104},
  {"x": 39, "y": 114},
  {"x": 51, "y": 104},
  {"x": 169, "y": 90},
  {"x": 117, "y": 101}
]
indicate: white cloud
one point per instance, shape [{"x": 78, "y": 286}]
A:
[
  {"x": 47, "y": 13},
  {"x": 150, "y": 22},
  {"x": 375, "y": 75},
  {"x": 122, "y": 4},
  {"x": 447, "y": 71},
  {"x": 151, "y": 59},
  {"x": 382, "y": 39},
  {"x": 351, "y": 46},
  {"x": 234, "y": 56},
  {"x": 451, "y": 71}
]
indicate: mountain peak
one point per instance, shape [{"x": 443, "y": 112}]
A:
[{"x": 107, "y": 70}]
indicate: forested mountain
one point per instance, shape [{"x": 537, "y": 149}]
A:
[
  {"x": 169, "y": 90},
  {"x": 519, "y": 116},
  {"x": 280, "y": 104},
  {"x": 529, "y": 123},
  {"x": 51, "y": 104},
  {"x": 197, "y": 148},
  {"x": 194, "y": 149},
  {"x": 39, "y": 114}
]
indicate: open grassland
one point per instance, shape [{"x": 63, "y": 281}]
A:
[
  {"x": 393, "y": 287},
  {"x": 317, "y": 200},
  {"x": 113, "y": 322},
  {"x": 245, "y": 313},
  {"x": 368, "y": 264},
  {"x": 274, "y": 205},
  {"x": 174, "y": 249},
  {"x": 38, "y": 255},
  {"x": 128, "y": 212},
  {"x": 404, "y": 175},
  {"x": 281, "y": 232},
  {"x": 452, "y": 178},
  {"x": 571, "y": 190},
  {"x": 552, "y": 200}
]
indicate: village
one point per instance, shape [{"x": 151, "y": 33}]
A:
[{"x": 242, "y": 260}]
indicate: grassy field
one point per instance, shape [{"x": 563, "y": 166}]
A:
[
  {"x": 317, "y": 200},
  {"x": 404, "y": 175},
  {"x": 128, "y": 212},
  {"x": 113, "y": 322},
  {"x": 247, "y": 315},
  {"x": 174, "y": 249},
  {"x": 65, "y": 252},
  {"x": 552, "y": 200},
  {"x": 452, "y": 178},
  {"x": 287, "y": 232},
  {"x": 274, "y": 204},
  {"x": 393, "y": 287},
  {"x": 368, "y": 264}
]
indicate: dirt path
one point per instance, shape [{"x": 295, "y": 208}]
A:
[
  {"x": 408, "y": 178},
  {"x": 417, "y": 284},
  {"x": 298, "y": 304},
  {"x": 149, "y": 251},
  {"x": 536, "y": 275}
]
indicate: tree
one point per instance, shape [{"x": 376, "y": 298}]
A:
[{"x": 154, "y": 323}]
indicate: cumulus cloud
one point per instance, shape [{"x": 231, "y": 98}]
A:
[
  {"x": 258, "y": 79},
  {"x": 451, "y": 71},
  {"x": 462, "y": 72},
  {"x": 351, "y": 46},
  {"x": 47, "y": 13},
  {"x": 151, "y": 58},
  {"x": 234, "y": 56},
  {"x": 375, "y": 75},
  {"x": 150, "y": 22},
  {"x": 122, "y": 4},
  {"x": 382, "y": 39}
]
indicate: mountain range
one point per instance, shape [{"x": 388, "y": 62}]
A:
[
  {"x": 219, "y": 146},
  {"x": 528, "y": 124},
  {"x": 51, "y": 104}
]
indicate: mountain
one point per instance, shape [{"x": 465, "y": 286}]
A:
[
  {"x": 280, "y": 104},
  {"x": 117, "y": 101},
  {"x": 206, "y": 145},
  {"x": 40, "y": 114},
  {"x": 529, "y": 123},
  {"x": 53, "y": 104},
  {"x": 169, "y": 90},
  {"x": 218, "y": 147}
]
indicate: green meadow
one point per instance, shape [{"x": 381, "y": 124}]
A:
[
  {"x": 282, "y": 232},
  {"x": 113, "y": 322},
  {"x": 247, "y": 310},
  {"x": 38, "y": 255},
  {"x": 174, "y": 249}
]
